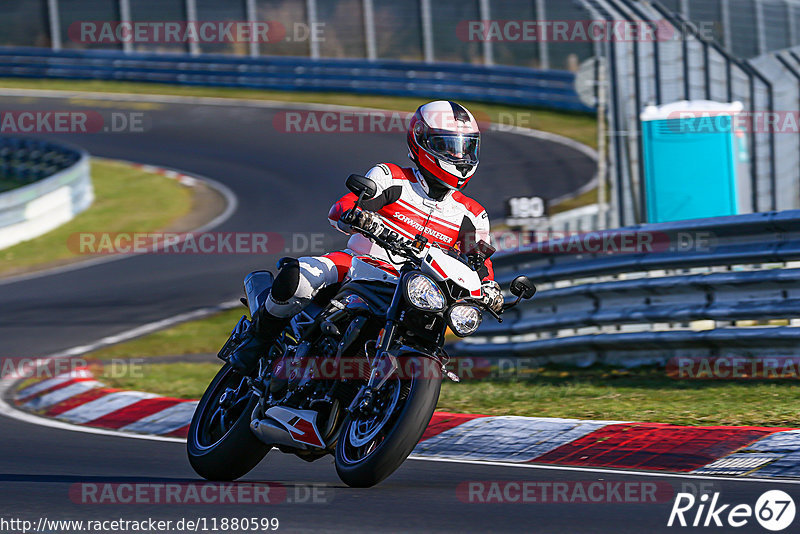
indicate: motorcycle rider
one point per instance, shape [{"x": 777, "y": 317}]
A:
[{"x": 443, "y": 141}]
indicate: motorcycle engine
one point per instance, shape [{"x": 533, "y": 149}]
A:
[
  {"x": 305, "y": 372},
  {"x": 297, "y": 371}
]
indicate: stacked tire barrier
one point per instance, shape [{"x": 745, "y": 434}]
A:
[
  {"x": 710, "y": 287},
  {"x": 44, "y": 185}
]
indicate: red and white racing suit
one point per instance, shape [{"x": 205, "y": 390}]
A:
[{"x": 403, "y": 204}]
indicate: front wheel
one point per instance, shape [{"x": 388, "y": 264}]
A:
[
  {"x": 370, "y": 448},
  {"x": 220, "y": 444}
]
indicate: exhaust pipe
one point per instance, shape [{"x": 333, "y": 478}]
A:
[
  {"x": 271, "y": 432},
  {"x": 290, "y": 427}
]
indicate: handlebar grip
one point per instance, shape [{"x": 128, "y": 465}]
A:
[
  {"x": 388, "y": 235},
  {"x": 348, "y": 217}
]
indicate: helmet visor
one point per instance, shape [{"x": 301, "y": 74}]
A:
[{"x": 457, "y": 148}]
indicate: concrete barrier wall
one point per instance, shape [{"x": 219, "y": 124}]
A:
[{"x": 34, "y": 209}]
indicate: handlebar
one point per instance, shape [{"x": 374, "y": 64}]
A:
[
  {"x": 393, "y": 243},
  {"x": 389, "y": 240}
]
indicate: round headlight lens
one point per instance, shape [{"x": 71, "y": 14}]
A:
[
  {"x": 423, "y": 293},
  {"x": 464, "y": 319}
]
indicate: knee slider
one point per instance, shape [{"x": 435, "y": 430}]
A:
[{"x": 287, "y": 281}]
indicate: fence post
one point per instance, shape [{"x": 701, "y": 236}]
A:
[
  {"x": 125, "y": 16},
  {"x": 191, "y": 16},
  {"x": 311, "y": 15},
  {"x": 55, "y": 24},
  {"x": 369, "y": 30},
  {"x": 488, "y": 51},
  {"x": 725, "y": 8},
  {"x": 544, "y": 53},
  {"x": 427, "y": 30},
  {"x": 761, "y": 30},
  {"x": 252, "y": 18}
]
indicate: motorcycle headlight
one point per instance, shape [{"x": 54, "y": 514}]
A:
[
  {"x": 424, "y": 294},
  {"x": 464, "y": 320}
]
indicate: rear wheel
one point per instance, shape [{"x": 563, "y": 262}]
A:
[
  {"x": 220, "y": 444},
  {"x": 370, "y": 448}
]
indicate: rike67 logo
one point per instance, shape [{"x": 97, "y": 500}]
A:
[{"x": 774, "y": 510}]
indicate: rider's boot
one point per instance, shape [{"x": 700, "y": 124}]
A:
[
  {"x": 266, "y": 327},
  {"x": 258, "y": 338}
]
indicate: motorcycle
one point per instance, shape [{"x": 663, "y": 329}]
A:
[{"x": 357, "y": 373}]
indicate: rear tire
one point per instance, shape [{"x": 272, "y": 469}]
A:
[
  {"x": 237, "y": 451},
  {"x": 390, "y": 453}
]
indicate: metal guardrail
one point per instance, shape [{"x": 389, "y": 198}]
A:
[
  {"x": 508, "y": 85},
  {"x": 740, "y": 239},
  {"x": 53, "y": 185},
  {"x": 651, "y": 304}
]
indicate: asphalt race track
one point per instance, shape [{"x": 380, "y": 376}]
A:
[{"x": 284, "y": 183}]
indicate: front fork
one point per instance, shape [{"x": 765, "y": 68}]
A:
[{"x": 384, "y": 365}]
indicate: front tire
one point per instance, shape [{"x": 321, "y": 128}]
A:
[
  {"x": 220, "y": 444},
  {"x": 364, "y": 465}
]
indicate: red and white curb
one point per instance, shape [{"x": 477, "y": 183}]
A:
[
  {"x": 185, "y": 179},
  {"x": 77, "y": 397}
]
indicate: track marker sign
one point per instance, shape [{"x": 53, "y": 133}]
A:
[{"x": 525, "y": 210}]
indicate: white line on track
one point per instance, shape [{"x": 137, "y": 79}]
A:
[
  {"x": 7, "y": 385},
  {"x": 602, "y": 470}
]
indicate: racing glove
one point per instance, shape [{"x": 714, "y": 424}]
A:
[
  {"x": 365, "y": 220},
  {"x": 492, "y": 296}
]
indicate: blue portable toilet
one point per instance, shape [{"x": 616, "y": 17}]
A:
[{"x": 690, "y": 160}]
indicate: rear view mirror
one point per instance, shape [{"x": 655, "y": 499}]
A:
[
  {"x": 523, "y": 288},
  {"x": 482, "y": 248},
  {"x": 362, "y": 186},
  {"x": 477, "y": 252}
]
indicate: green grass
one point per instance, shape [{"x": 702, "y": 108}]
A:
[
  {"x": 643, "y": 394},
  {"x": 126, "y": 199},
  {"x": 579, "y": 126},
  {"x": 204, "y": 336},
  {"x": 584, "y": 199},
  {"x": 180, "y": 380}
]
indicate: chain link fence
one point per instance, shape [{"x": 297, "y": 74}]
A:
[{"x": 418, "y": 30}]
